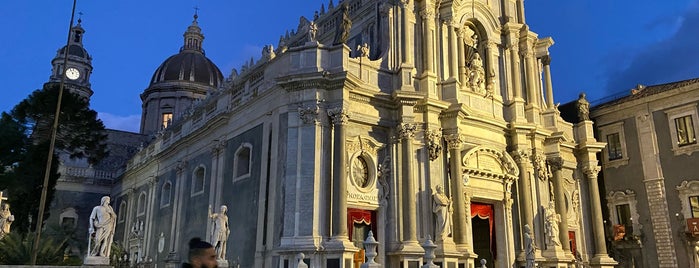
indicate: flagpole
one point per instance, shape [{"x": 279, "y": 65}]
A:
[{"x": 54, "y": 129}]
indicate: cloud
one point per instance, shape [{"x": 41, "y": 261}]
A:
[
  {"x": 673, "y": 59},
  {"x": 131, "y": 123}
]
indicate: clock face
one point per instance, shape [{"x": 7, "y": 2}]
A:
[
  {"x": 72, "y": 73},
  {"x": 360, "y": 172}
]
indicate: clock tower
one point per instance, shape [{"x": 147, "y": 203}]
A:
[{"x": 79, "y": 66}]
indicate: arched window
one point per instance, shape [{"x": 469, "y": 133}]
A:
[
  {"x": 165, "y": 194},
  {"x": 142, "y": 203},
  {"x": 198, "y": 179},
  {"x": 242, "y": 164},
  {"x": 122, "y": 211}
]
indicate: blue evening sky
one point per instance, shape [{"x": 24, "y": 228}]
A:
[{"x": 603, "y": 47}]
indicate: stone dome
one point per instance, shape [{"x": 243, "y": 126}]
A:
[
  {"x": 188, "y": 65},
  {"x": 75, "y": 50}
]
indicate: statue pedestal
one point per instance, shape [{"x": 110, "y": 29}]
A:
[
  {"x": 222, "y": 263},
  {"x": 96, "y": 261},
  {"x": 556, "y": 257},
  {"x": 447, "y": 253}
]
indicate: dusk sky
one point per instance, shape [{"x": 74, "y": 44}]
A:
[{"x": 603, "y": 47}]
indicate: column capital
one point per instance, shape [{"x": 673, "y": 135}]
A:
[
  {"x": 555, "y": 163},
  {"x": 427, "y": 14},
  {"x": 339, "y": 116},
  {"x": 309, "y": 115},
  {"x": 591, "y": 172},
  {"x": 181, "y": 166},
  {"x": 406, "y": 130},
  {"x": 218, "y": 146},
  {"x": 546, "y": 60},
  {"x": 454, "y": 141},
  {"x": 520, "y": 156},
  {"x": 433, "y": 138}
]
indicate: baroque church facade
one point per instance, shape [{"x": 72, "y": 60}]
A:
[{"x": 349, "y": 127}]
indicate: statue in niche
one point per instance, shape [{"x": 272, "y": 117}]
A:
[
  {"x": 102, "y": 225},
  {"x": 552, "y": 221},
  {"x": 529, "y": 247},
  {"x": 442, "y": 209},
  {"x": 6, "y": 219},
  {"x": 344, "y": 25},
  {"x": 476, "y": 74},
  {"x": 219, "y": 235},
  {"x": 312, "y": 31},
  {"x": 583, "y": 108}
]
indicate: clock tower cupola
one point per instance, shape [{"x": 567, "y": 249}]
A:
[{"x": 79, "y": 66}]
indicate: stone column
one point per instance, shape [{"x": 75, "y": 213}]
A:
[
  {"x": 525, "y": 186},
  {"x": 452, "y": 50},
  {"x": 531, "y": 77},
  {"x": 454, "y": 142},
  {"x": 339, "y": 119},
  {"x": 515, "y": 68},
  {"x": 546, "y": 60},
  {"x": 596, "y": 207},
  {"x": 428, "y": 47},
  {"x": 556, "y": 164},
  {"x": 406, "y": 132},
  {"x": 462, "y": 56}
]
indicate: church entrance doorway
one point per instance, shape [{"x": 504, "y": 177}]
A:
[
  {"x": 483, "y": 232},
  {"x": 359, "y": 223}
]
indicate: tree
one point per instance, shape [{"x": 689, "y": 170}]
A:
[{"x": 80, "y": 135}]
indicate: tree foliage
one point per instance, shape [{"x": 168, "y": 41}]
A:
[
  {"x": 16, "y": 249},
  {"x": 25, "y": 135}
]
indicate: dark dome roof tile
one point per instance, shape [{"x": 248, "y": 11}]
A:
[{"x": 188, "y": 66}]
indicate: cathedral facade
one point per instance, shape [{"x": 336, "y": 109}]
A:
[{"x": 409, "y": 120}]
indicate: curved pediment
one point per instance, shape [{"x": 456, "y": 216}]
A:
[{"x": 489, "y": 162}]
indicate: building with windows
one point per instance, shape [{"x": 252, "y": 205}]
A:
[
  {"x": 652, "y": 189},
  {"x": 350, "y": 125}
]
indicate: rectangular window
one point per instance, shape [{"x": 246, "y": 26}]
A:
[
  {"x": 167, "y": 120},
  {"x": 623, "y": 213},
  {"x": 685, "y": 130},
  {"x": 614, "y": 146},
  {"x": 694, "y": 205}
]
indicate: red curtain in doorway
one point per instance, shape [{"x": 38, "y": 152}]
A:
[
  {"x": 485, "y": 212},
  {"x": 360, "y": 216}
]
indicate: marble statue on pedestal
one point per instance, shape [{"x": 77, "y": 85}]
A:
[
  {"x": 102, "y": 224},
  {"x": 442, "y": 209},
  {"x": 552, "y": 221},
  {"x": 529, "y": 247},
  {"x": 583, "y": 107},
  {"x": 6, "y": 218},
  {"x": 219, "y": 235},
  {"x": 477, "y": 74}
]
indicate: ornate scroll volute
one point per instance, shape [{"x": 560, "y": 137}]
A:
[
  {"x": 433, "y": 140},
  {"x": 339, "y": 116}
]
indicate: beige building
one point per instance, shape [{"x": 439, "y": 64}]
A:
[
  {"x": 650, "y": 175},
  {"x": 350, "y": 125}
]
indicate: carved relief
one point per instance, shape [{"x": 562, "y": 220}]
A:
[
  {"x": 384, "y": 174},
  {"x": 434, "y": 143},
  {"x": 540, "y": 167}
]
